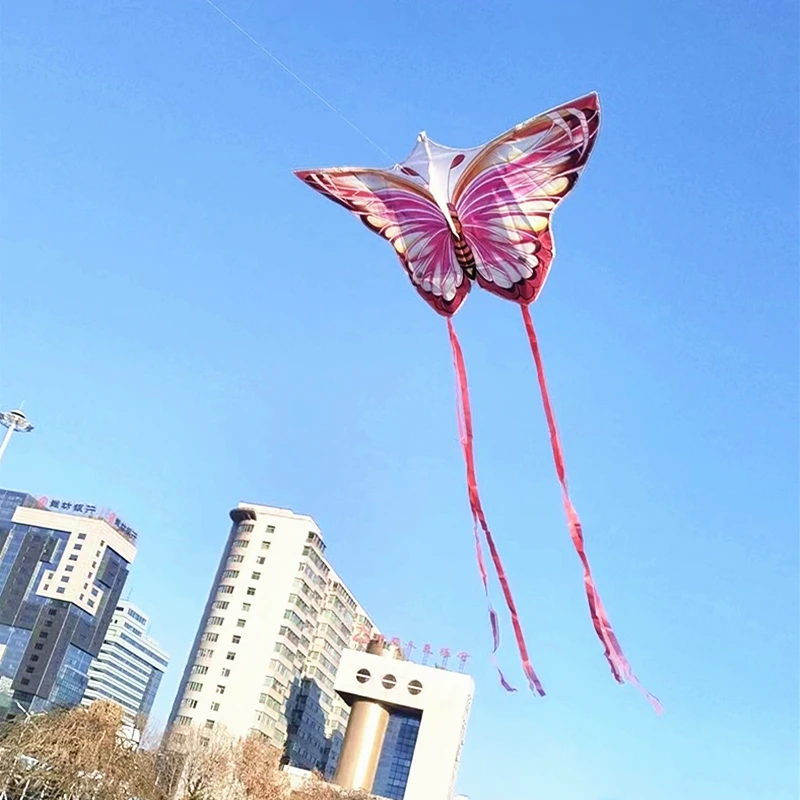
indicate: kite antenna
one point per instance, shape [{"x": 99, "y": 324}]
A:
[{"x": 284, "y": 67}]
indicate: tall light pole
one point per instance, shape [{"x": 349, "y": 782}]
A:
[{"x": 13, "y": 421}]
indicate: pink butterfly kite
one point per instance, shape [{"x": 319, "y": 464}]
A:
[{"x": 483, "y": 215}]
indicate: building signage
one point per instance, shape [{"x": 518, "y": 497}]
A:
[{"x": 87, "y": 510}]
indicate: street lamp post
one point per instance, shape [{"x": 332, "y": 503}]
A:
[{"x": 13, "y": 421}]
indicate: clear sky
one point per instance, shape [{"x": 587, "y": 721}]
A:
[{"x": 190, "y": 326}]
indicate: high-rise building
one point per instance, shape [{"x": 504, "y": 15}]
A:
[
  {"x": 129, "y": 667},
  {"x": 268, "y": 646},
  {"x": 62, "y": 569},
  {"x": 406, "y": 727}
]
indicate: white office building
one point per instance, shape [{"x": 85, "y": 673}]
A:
[
  {"x": 129, "y": 667},
  {"x": 406, "y": 728},
  {"x": 270, "y": 640}
]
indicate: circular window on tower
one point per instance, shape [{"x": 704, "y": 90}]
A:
[
  {"x": 414, "y": 687},
  {"x": 389, "y": 681},
  {"x": 363, "y": 675}
]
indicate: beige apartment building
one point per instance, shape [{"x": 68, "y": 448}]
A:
[{"x": 269, "y": 644}]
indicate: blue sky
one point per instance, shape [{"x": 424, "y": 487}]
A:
[{"x": 190, "y": 326}]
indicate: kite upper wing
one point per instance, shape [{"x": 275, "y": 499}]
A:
[
  {"x": 406, "y": 216},
  {"x": 506, "y": 196}
]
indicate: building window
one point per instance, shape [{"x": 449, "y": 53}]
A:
[
  {"x": 34, "y": 658},
  {"x": 189, "y": 703},
  {"x": 230, "y": 573},
  {"x": 225, "y": 589},
  {"x": 94, "y": 564},
  {"x": 203, "y": 653},
  {"x": 262, "y": 699},
  {"x": 209, "y": 723},
  {"x": 77, "y": 547},
  {"x": 65, "y": 579},
  {"x": 270, "y": 529},
  {"x": 81, "y": 535},
  {"x": 236, "y": 639},
  {"x": 215, "y": 706},
  {"x": 210, "y": 637},
  {"x": 245, "y": 606},
  {"x": 231, "y": 656},
  {"x": 255, "y": 576},
  {"x": 220, "y": 689},
  {"x": 215, "y": 620},
  {"x": 194, "y": 686},
  {"x": 265, "y": 545},
  {"x": 60, "y": 590},
  {"x": 38, "y": 646},
  {"x": 236, "y": 559},
  {"x": 94, "y": 592},
  {"x": 241, "y": 543},
  {"x": 90, "y": 603},
  {"x": 363, "y": 675},
  {"x": 73, "y": 558},
  {"x": 226, "y": 673},
  {"x": 199, "y": 669},
  {"x": 69, "y": 568},
  {"x": 251, "y": 590},
  {"x": 240, "y": 623},
  {"x": 182, "y": 720},
  {"x": 260, "y": 560},
  {"x": 389, "y": 681},
  {"x": 414, "y": 687},
  {"x": 220, "y": 605}
]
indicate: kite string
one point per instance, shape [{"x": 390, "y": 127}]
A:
[
  {"x": 479, "y": 519},
  {"x": 620, "y": 667},
  {"x": 294, "y": 75}
]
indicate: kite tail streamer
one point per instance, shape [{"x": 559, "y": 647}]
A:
[
  {"x": 479, "y": 521},
  {"x": 620, "y": 667}
]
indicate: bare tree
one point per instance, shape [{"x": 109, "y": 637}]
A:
[
  {"x": 317, "y": 789},
  {"x": 79, "y": 753},
  {"x": 82, "y": 754},
  {"x": 203, "y": 762},
  {"x": 258, "y": 770}
]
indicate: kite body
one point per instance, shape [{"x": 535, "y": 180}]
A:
[
  {"x": 480, "y": 214},
  {"x": 483, "y": 215}
]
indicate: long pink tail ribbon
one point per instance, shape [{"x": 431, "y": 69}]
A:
[
  {"x": 479, "y": 523},
  {"x": 620, "y": 667}
]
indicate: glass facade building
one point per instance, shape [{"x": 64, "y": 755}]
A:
[
  {"x": 61, "y": 576},
  {"x": 397, "y": 754},
  {"x": 129, "y": 667}
]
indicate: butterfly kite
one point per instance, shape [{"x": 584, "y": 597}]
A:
[{"x": 483, "y": 215}]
